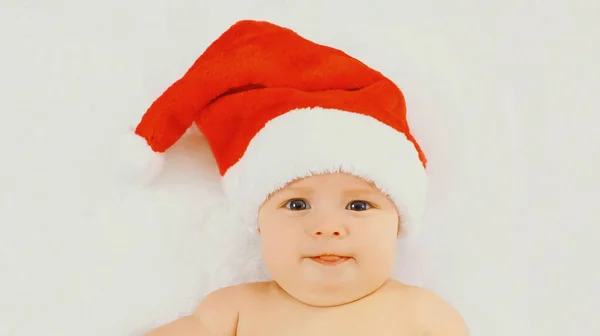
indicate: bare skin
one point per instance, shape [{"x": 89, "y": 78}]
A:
[
  {"x": 329, "y": 243},
  {"x": 265, "y": 309}
]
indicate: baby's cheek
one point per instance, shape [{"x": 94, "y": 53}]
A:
[
  {"x": 377, "y": 245},
  {"x": 279, "y": 245}
]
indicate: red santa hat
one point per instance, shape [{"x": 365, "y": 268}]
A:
[{"x": 276, "y": 107}]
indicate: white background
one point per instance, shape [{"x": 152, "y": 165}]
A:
[{"x": 502, "y": 94}]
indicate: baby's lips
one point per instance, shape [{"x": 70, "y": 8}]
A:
[{"x": 330, "y": 258}]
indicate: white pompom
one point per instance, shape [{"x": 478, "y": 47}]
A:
[{"x": 138, "y": 163}]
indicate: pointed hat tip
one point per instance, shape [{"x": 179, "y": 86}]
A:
[{"x": 138, "y": 163}]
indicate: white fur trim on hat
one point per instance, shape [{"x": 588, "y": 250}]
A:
[
  {"x": 137, "y": 162},
  {"x": 305, "y": 142}
]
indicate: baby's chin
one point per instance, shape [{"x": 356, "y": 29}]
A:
[
  {"x": 319, "y": 290},
  {"x": 331, "y": 298}
]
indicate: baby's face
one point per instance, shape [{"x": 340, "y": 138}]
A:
[{"x": 329, "y": 239}]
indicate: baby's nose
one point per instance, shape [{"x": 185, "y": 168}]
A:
[
  {"x": 333, "y": 233},
  {"x": 330, "y": 231}
]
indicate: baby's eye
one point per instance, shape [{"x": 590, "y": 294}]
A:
[
  {"x": 358, "y": 206},
  {"x": 297, "y": 204}
]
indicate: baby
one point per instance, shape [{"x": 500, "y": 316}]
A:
[
  {"x": 329, "y": 242},
  {"x": 315, "y": 151}
]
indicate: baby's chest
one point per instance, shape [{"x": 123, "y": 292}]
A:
[{"x": 349, "y": 323}]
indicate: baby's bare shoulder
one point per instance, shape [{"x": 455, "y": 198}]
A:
[
  {"x": 217, "y": 314},
  {"x": 231, "y": 300},
  {"x": 220, "y": 310},
  {"x": 436, "y": 316}
]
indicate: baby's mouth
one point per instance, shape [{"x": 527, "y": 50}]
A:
[{"x": 329, "y": 259}]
